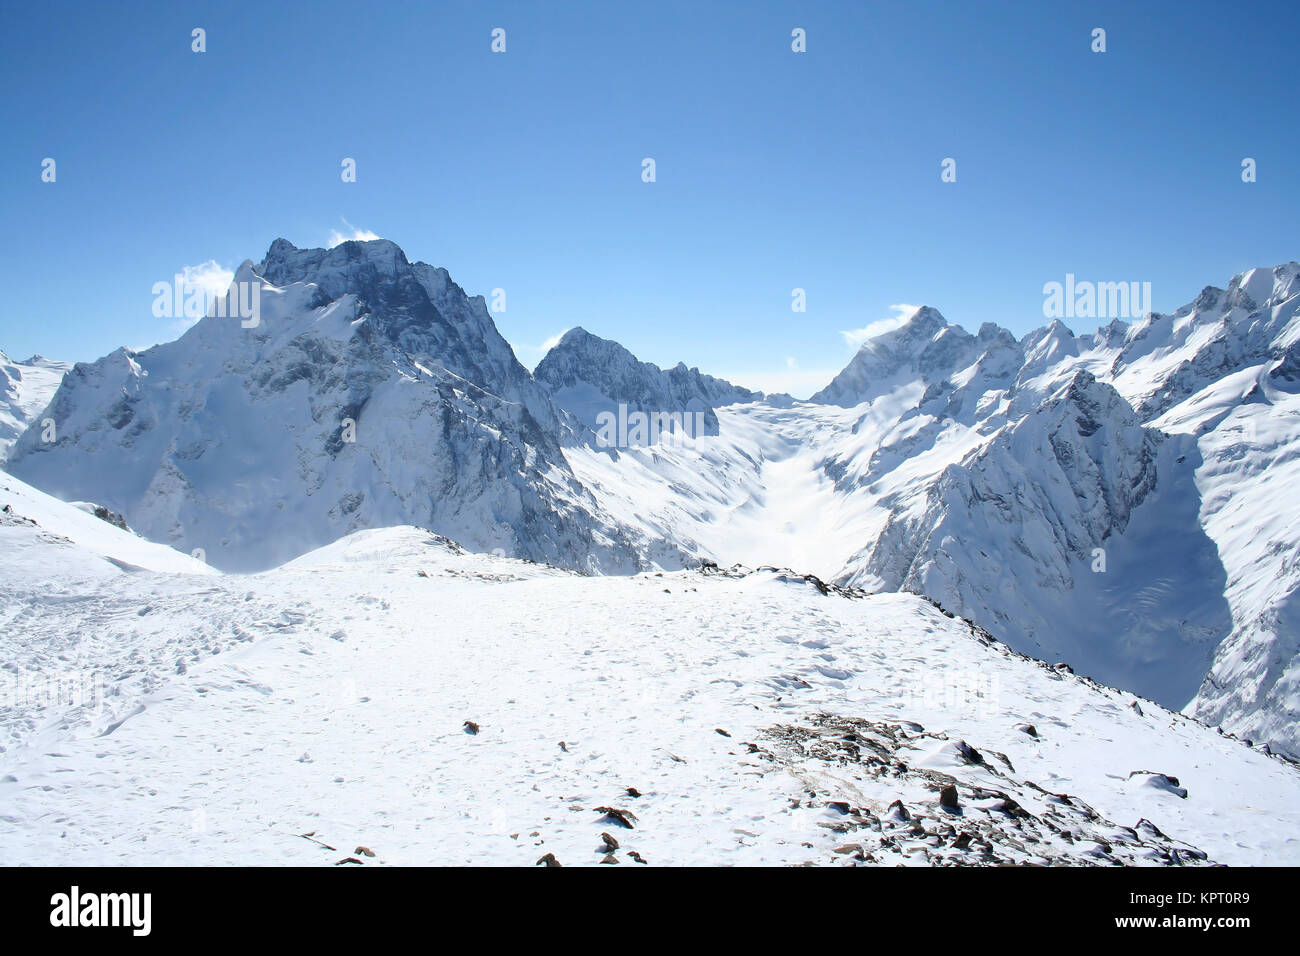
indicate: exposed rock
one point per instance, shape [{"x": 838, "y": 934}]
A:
[{"x": 624, "y": 818}]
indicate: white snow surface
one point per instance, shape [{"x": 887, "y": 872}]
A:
[{"x": 302, "y": 714}]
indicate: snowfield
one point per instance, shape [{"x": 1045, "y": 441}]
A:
[{"x": 394, "y": 695}]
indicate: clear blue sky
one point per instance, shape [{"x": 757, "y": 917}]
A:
[{"x": 522, "y": 170}]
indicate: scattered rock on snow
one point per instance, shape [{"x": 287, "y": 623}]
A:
[
  {"x": 112, "y": 517},
  {"x": 624, "y": 818}
]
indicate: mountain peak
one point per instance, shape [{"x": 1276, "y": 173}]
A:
[
  {"x": 927, "y": 315},
  {"x": 924, "y": 348},
  {"x": 576, "y": 336},
  {"x": 589, "y": 376},
  {"x": 923, "y": 322},
  {"x": 285, "y": 263}
]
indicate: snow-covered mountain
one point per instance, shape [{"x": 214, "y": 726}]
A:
[
  {"x": 1116, "y": 500},
  {"x": 590, "y": 376},
  {"x": 370, "y": 392},
  {"x": 925, "y": 348},
  {"x": 25, "y": 389},
  {"x": 398, "y": 700}
]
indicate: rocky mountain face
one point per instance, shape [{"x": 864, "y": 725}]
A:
[
  {"x": 372, "y": 392},
  {"x": 924, "y": 349},
  {"x": 590, "y": 376}
]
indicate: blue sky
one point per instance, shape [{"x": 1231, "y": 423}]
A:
[{"x": 522, "y": 170}]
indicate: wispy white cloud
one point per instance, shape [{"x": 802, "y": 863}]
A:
[
  {"x": 902, "y": 312},
  {"x": 361, "y": 235},
  {"x": 211, "y": 279},
  {"x": 553, "y": 341},
  {"x": 531, "y": 355}
]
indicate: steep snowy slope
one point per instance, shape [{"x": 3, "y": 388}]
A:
[
  {"x": 392, "y": 699},
  {"x": 1249, "y": 467},
  {"x": 1072, "y": 531},
  {"x": 371, "y": 392},
  {"x": 25, "y": 389},
  {"x": 44, "y": 538},
  {"x": 588, "y": 376}
]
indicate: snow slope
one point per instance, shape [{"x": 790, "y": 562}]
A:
[
  {"x": 391, "y": 694},
  {"x": 25, "y": 389},
  {"x": 47, "y": 541}
]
